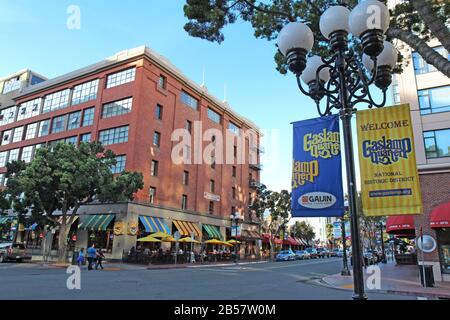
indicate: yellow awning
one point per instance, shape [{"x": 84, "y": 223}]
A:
[{"x": 186, "y": 228}]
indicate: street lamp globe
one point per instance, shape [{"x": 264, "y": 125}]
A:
[
  {"x": 335, "y": 27},
  {"x": 309, "y": 76},
  {"x": 386, "y": 61},
  {"x": 295, "y": 41},
  {"x": 368, "y": 21}
]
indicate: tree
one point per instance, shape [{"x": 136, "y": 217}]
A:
[
  {"x": 64, "y": 178},
  {"x": 259, "y": 205},
  {"x": 413, "y": 22},
  {"x": 304, "y": 231}
]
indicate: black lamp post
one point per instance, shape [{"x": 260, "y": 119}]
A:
[
  {"x": 383, "y": 251},
  {"x": 345, "y": 270},
  {"x": 344, "y": 79},
  {"x": 235, "y": 218}
]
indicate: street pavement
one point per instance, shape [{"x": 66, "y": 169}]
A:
[{"x": 296, "y": 280}]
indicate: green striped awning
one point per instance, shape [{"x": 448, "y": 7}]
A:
[
  {"x": 212, "y": 231},
  {"x": 5, "y": 220},
  {"x": 99, "y": 222}
]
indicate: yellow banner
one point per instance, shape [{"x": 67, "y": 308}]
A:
[{"x": 389, "y": 179}]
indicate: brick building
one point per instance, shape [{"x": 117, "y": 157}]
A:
[{"x": 133, "y": 102}]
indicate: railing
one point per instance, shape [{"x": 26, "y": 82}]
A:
[
  {"x": 254, "y": 184},
  {"x": 256, "y": 166}
]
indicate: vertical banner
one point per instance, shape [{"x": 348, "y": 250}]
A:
[
  {"x": 389, "y": 179},
  {"x": 317, "y": 169}
]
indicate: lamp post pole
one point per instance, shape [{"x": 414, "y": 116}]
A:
[
  {"x": 345, "y": 271},
  {"x": 383, "y": 251}
]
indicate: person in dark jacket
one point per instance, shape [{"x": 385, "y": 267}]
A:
[{"x": 100, "y": 257}]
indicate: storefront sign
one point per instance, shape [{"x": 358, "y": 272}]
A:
[
  {"x": 317, "y": 169},
  {"x": 212, "y": 197},
  {"x": 389, "y": 179}
]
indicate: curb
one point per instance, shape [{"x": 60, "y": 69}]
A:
[
  {"x": 324, "y": 283},
  {"x": 226, "y": 264}
]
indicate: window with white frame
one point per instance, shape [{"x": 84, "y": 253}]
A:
[
  {"x": 18, "y": 134},
  {"x": 31, "y": 131},
  {"x": 85, "y": 92},
  {"x": 59, "y": 124},
  {"x": 120, "y": 164},
  {"x": 3, "y": 158},
  {"x": 27, "y": 154},
  {"x": 44, "y": 128},
  {"x": 85, "y": 137},
  {"x": 71, "y": 140},
  {"x": 8, "y": 115},
  {"x": 2, "y": 180},
  {"x": 13, "y": 155},
  {"x": 74, "y": 121},
  {"x": 6, "y": 139},
  {"x": 29, "y": 109},
  {"x": 12, "y": 85},
  {"x": 119, "y": 78},
  {"x": 114, "y": 136},
  {"x": 56, "y": 101},
  {"x": 117, "y": 108},
  {"x": 88, "y": 117}
]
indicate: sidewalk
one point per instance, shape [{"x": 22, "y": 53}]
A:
[{"x": 395, "y": 279}]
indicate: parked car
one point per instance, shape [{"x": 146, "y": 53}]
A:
[
  {"x": 13, "y": 252},
  {"x": 312, "y": 252},
  {"x": 302, "y": 255},
  {"x": 285, "y": 255},
  {"x": 340, "y": 253},
  {"x": 323, "y": 253}
]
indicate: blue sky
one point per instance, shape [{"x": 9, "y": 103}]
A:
[{"x": 34, "y": 35}]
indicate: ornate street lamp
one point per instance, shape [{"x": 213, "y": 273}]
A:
[
  {"x": 344, "y": 80},
  {"x": 235, "y": 219}
]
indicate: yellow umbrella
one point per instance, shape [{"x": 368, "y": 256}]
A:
[
  {"x": 218, "y": 242},
  {"x": 234, "y": 242},
  {"x": 168, "y": 238},
  {"x": 160, "y": 235},
  {"x": 149, "y": 239},
  {"x": 189, "y": 240}
]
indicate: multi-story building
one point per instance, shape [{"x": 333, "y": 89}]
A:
[
  {"x": 135, "y": 103},
  {"x": 428, "y": 93}
]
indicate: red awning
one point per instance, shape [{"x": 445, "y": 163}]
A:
[
  {"x": 440, "y": 217},
  {"x": 403, "y": 224},
  {"x": 290, "y": 242},
  {"x": 266, "y": 237}
]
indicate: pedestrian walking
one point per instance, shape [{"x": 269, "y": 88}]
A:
[
  {"x": 92, "y": 254},
  {"x": 100, "y": 257},
  {"x": 80, "y": 258}
]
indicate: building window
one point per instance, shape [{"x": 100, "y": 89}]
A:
[
  {"x": 211, "y": 207},
  {"x": 18, "y": 134},
  {"x": 421, "y": 66},
  {"x": 213, "y": 163},
  {"x": 71, "y": 140},
  {"x": 162, "y": 82},
  {"x": 434, "y": 100},
  {"x": 44, "y": 128},
  {"x": 27, "y": 154},
  {"x": 396, "y": 93},
  {"x": 214, "y": 116},
  {"x": 120, "y": 165},
  {"x": 88, "y": 117},
  {"x": 157, "y": 139},
  {"x": 8, "y": 115},
  {"x": 189, "y": 100},
  {"x": 85, "y": 92},
  {"x": 152, "y": 194},
  {"x": 233, "y": 128},
  {"x": 13, "y": 155},
  {"x": 437, "y": 143},
  {"x": 212, "y": 186},
  {"x": 59, "y": 124},
  {"x": 184, "y": 202},
  {"x": 12, "y": 85},
  {"x": 235, "y": 151},
  {"x": 119, "y": 78},
  {"x": 154, "y": 168},
  {"x": 188, "y": 126},
  {"x": 85, "y": 138},
  {"x": 56, "y": 101},
  {"x": 117, "y": 108},
  {"x": 114, "y": 136},
  {"x": 186, "y": 178},
  {"x": 29, "y": 109},
  {"x": 234, "y": 171},
  {"x": 31, "y": 131},
  {"x": 233, "y": 193},
  {"x": 6, "y": 139},
  {"x": 3, "y": 157},
  {"x": 74, "y": 120},
  {"x": 159, "y": 112}
]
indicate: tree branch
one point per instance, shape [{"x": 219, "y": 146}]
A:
[
  {"x": 436, "y": 25},
  {"x": 273, "y": 12},
  {"x": 427, "y": 53}
]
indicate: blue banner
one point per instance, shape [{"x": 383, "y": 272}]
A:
[{"x": 317, "y": 169}]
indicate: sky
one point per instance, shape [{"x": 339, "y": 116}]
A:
[{"x": 35, "y": 36}]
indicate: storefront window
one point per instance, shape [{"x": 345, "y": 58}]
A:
[
  {"x": 443, "y": 237},
  {"x": 102, "y": 240}
]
